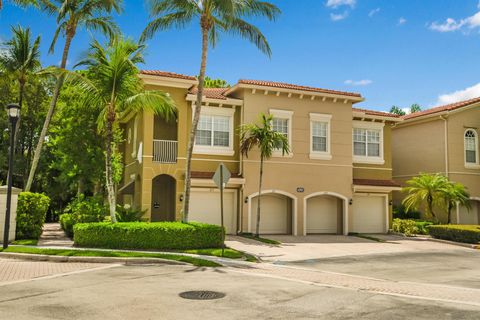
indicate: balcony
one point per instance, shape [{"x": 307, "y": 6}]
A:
[{"x": 165, "y": 151}]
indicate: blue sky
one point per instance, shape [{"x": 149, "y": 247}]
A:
[{"x": 393, "y": 52}]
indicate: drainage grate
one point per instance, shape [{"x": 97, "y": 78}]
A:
[{"x": 202, "y": 295}]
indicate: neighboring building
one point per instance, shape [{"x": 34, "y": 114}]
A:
[
  {"x": 337, "y": 178},
  {"x": 441, "y": 140}
]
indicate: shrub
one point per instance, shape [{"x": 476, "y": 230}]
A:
[
  {"x": 82, "y": 210},
  {"x": 401, "y": 213},
  {"x": 31, "y": 211},
  {"x": 129, "y": 214},
  {"x": 407, "y": 227},
  {"x": 422, "y": 226},
  {"x": 459, "y": 233},
  {"x": 144, "y": 235}
]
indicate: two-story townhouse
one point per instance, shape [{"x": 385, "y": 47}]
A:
[
  {"x": 442, "y": 140},
  {"x": 337, "y": 178}
]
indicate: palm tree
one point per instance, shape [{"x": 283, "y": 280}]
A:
[
  {"x": 429, "y": 188},
  {"x": 22, "y": 3},
  {"x": 267, "y": 140},
  {"x": 456, "y": 194},
  {"x": 71, "y": 15},
  {"x": 213, "y": 16},
  {"x": 115, "y": 88},
  {"x": 22, "y": 59}
]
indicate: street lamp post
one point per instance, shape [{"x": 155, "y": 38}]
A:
[{"x": 13, "y": 111}]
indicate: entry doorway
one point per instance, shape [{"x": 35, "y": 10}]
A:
[{"x": 163, "y": 198}]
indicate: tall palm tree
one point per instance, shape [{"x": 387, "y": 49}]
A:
[
  {"x": 429, "y": 188},
  {"x": 22, "y": 3},
  {"x": 267, "y": 140},
  {"x": 21, "y": 58},
  {"x": 115, "y": 88},
  {"x": 71, "y": 15},
  {"x": 213, "y": 16},
  {"x": 455, "y": 194}
]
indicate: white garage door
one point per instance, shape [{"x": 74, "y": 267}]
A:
[
  {"x": 322, "y": 214},
  {"x": 469, "y": 216},
  {"x": 274, "y": 215},
  {"x": 368, "y": 214},
  {"x": 205, "y": 207}
]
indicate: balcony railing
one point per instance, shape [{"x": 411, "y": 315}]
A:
[{"x": 165, "y": 151}]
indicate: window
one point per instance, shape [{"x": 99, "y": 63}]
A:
[
  {"x": 282, "y": 122},
  {"x": 320, "y": 136},
  {"x": 368, "y": 142},
  {"x": 215, "y": 131},
  {"x": 471, "y": 147}
]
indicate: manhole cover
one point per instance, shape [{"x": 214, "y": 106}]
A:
[{"x": 202, "y": 295}]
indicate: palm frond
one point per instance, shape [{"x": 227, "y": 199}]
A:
[
  {"x": 251, "y": 33},
  {"x": 176, "y": 19}
]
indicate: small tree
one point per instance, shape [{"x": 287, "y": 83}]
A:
[
  {"x": 425, "y": 188},
  {"x": 267, "y": 140},
  {"x": 216, "y": 83},
  {"x": 455, "y": 194},
  {"x": 415, "y": 108},
  {"x": 397, "y": 110}
]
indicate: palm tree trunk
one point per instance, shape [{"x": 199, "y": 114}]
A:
[
  {"x": 193, "y": 130},
  {"x": 51, "y": 110},
  {"x": 257, "y": 229},
  {"x": 430, "y": 207},
  {"x": 449, "y": 216},
  {"x": 109, "y": 171},
  {"x": 21, "y": 90}
]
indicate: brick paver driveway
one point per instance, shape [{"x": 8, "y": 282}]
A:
[{"x": 13, "y": 270}]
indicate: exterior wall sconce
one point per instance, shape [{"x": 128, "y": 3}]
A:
[
  {"x": 350, "y": 202},
  {"x": 390, "y": 202},
  {"x": 246, "y": 199},
  {"x": 181, "y": 198}
]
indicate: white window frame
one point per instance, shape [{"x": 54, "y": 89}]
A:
[
  {"x": 325, "y": 118},
  {"x": 471, "y": 165},
  {"x": 216, "y": 150},
  {"x": 135, "y": 135},
  {"x": 369, "y": 126},
  {"x": 288, "y": 115}
]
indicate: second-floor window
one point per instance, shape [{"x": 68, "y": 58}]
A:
[
  {"x": 471, "y": 147},
  {"x": 368, "y": 142},
  {"x": 282, "y": 122},
  {"x": 280, "y": 125},
  {"x": 320, "y": 136}
]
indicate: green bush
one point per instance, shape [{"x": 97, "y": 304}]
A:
[
  {"x": 422, "y": 226},
  {"x": 144, "y": 235},
  {"x": 31, "y": 211},
  {"x": 401, "y": 213},
  {"x": 459, "y": 233},
  {"x": 407, "y": 227},
  {"x": 129, "y": 214},
  {"x": 83, "y": 210}
]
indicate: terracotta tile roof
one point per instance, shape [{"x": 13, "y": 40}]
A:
[
  {"x": 448, "y": 107},
  {"x": 376, "y": 113},
  {"x": 209, "y": 175},
  {"x": 378, "y": 183},
  {"x": 167, "y": 74},
  {"x": 296, "y": 87},
  {"x": 212, "y": 93}
]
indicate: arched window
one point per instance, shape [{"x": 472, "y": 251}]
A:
[{"x": 471, "y": 147}]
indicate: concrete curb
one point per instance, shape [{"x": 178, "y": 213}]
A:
[{"x": 127, "y": 261}]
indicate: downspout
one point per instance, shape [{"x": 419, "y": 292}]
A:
[
  {"x": 444, "y": 118},
  {"x": 241, "y": 196}
]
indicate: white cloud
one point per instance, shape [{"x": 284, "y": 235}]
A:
[
  {"x": 373, "y": 12},
  {"x": 338, "y": 3},
  {"x": 460, "y": 95},
  {"x": 363, "y": 82},
  {"x": 451, "y": 24},
  {"x": 339, "y": 16},
  {"x": 402, "y": 21}
]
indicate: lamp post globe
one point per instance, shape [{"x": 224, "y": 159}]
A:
[{"x": 13, "y": 111}]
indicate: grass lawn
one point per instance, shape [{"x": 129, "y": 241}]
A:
[
  {"x": 100, "y": 253},
  {"x": 26, "y": 242},
  {"x": 264, "y": 240}
]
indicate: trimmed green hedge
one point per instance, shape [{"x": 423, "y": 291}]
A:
[
  {"x": 31, "y": 211},
  {"x": 144, "y": 235},
  {"x": 459, "y": 233}
]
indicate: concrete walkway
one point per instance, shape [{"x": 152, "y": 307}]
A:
[{"x": 53, "y": 236}]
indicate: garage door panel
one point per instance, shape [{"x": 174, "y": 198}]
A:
[
  {"x": 205, "y": 207},
  {"x": 274, "y": 215},
  {"x": 469, "y": 216},
  {"x": 322, "y": 214},
  {"x": 368, "y": 214}
]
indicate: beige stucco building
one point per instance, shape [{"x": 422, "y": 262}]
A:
[
  {"x": 337, "y": 178},
  {"x": 441, "y": 140}
]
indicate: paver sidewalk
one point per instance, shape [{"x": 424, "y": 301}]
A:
[{"x": 53, "y": 236}]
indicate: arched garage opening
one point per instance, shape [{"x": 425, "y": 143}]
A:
[
  {"x": 471, "y": 215},
  {"x": 277, "y": 215},
  {"x": 325, "y": 213}
]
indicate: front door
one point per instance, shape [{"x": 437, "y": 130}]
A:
[{"x": 163, "y": 198}]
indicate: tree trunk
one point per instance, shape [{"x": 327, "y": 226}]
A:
[
  {"x": 257, "y": 229},
  {"x": 449, "y": 215},
  {"x": 21, "y": 90},
  {"x": 51, "y": 110},
  {"x": 193, "y": 130},
  {"x": 430, "y": 206},
  {"x": 109, "y": 171},
  {"x": 80, "y": 186}
]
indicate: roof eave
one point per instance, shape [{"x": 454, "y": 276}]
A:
[
  {"x": 228, "y": 101},
  {"x": 360, "y": 114},
  {"x": 159, "y": 80}
]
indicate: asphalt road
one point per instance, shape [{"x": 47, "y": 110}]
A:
[{"x": 152, "y": 292}]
